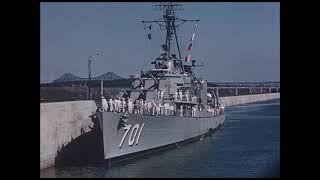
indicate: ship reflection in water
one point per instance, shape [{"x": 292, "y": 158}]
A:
[{"x": 248, "y": 146}]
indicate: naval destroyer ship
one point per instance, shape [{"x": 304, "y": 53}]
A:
[{"x": 166, "y": 106}]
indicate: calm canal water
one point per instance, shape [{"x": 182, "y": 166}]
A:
[{"x": 248, "y": 145}]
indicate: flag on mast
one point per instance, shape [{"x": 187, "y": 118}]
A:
[
  {"x": 190, "y": 45},
  {"x": 188, "y": 58},
  {"x": 192, "y": 38}
]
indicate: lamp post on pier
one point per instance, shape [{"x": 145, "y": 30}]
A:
[{"x": 90, "y": 58}]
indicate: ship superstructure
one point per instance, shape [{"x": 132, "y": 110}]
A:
[{"x": 166, "y": 104}]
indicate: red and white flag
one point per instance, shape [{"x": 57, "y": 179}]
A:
[
  {"x": 189, "y": 47},
  {"x": 188, "y": 58},
  {"x": 192, "y": 37}
]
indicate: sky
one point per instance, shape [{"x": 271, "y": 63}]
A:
[{"x": 234, "y": 41}]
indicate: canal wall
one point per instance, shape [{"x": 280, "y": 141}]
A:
[
  {"x": 235, "y": 100},
  {"x": 60, "y": 122}
]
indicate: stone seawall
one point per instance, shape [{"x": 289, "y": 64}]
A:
[
  {"x": 235, "y": 100},
  {"x": 60, "y": 122}
]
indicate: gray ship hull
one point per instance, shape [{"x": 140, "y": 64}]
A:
[{"x": 140, "y": 133}]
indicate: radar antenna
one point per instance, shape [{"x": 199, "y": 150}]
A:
[{"x": 170, "y": 22}]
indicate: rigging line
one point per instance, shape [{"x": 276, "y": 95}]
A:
[
  {"x": 183, "y": 40},
  {"x": 145, "y": 55},
  {"x": 185, "y": 46},
  {"x": 150, "y": 43},
  {"x": 175, "y": 33}
]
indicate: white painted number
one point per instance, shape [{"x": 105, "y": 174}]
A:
[
  {"x": 133, "y": 134},
  {"x": 139, "y": 133},
  {"x": 135, "y": 130},
  {"x": 126, "y": 128}
]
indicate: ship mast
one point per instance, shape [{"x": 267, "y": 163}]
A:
[{"x": 170, "y": 22}]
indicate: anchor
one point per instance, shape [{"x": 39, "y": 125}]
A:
[{"x": 123, "y": 119}]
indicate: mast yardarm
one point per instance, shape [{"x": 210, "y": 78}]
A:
[{"x": 170, "y": 22}]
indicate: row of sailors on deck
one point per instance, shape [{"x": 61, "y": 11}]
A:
[
  {"x": 137, "y": 107},
  {"x": 152, "y": 107},
  {"x": 187, "y": 111},
  {"x": 216, "y": 111},
  {"x": 180, "y": 96}
]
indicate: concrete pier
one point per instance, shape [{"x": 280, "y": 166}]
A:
[
  {"x": 60, "y": 122},
  {"x": 235, "y": 100}
]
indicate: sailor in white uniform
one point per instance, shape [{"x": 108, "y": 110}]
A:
[
  {"x": 153, "y": 107},
  {"x": 124, "y": 105},
  {"x": 104, "y": 104},
  {"x": 187, "y": 96},
  {"x": 161, "y": 95},
  {"x": 166, "y": 108},
  {"x": 130, "y": 105},
  {"x": 118, "y": 104},
  {"x": 161, "y": 108},
  {"x": 121, "y": 105},
  {"x": 195, "y": 111},
  {"x": 171, "y": 108},
  {"x": 180, "y": 95},
  {"x": 111, "y": 104},
  {"x": 149, "y": 107},
  {"x": 135, "y": 109},
  {"x": 192, "y": 111},
  {"x": 137, "y": 106},
  {"x": 158, "y": 109}
]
